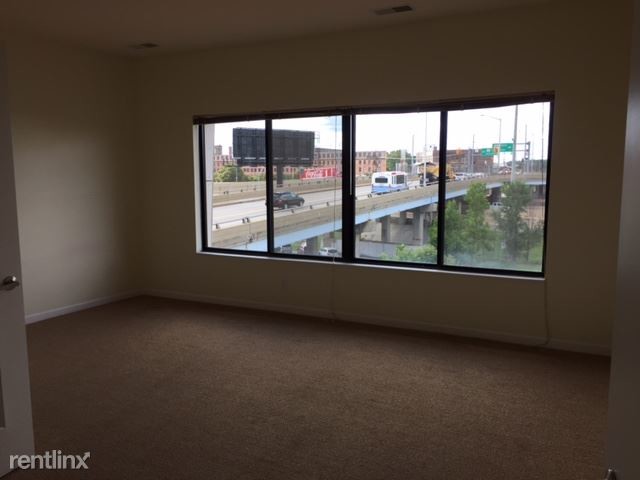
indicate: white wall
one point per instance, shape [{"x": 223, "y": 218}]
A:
[
  {"x": 104, "y": 166},
  {"x": 76, "y": 173},
  {"x": 578, "y": 49}
]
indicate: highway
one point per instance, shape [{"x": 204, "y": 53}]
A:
[
  {"x": 231, "y": 213},
  {"x": 243, "y": 224}
]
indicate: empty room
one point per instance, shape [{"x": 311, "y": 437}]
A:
[{"x": 285, "y": 240}]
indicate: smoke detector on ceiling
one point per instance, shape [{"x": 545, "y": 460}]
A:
[{"x": 392, "y": 10}]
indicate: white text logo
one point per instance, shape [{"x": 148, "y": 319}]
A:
[{"x": 50, "y": 461}]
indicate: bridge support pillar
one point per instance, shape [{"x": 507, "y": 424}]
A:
[
  {"x": 418, "y": 225},
  {"x": 385, "y": 234},
  {"x": 432, "y": 214},
  {"x": 313, "y": 246},
  {"x": 359, "y": 228},
  {"x": 496, "y": 194},
  {"x": 403, "y": 217}
]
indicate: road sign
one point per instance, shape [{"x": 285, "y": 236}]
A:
[
  {"x": 487, "y": 152},
  {"x": 503, "y": 147}
]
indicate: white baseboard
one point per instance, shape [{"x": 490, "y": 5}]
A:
[
  {"x": 324, "y": 313},
  {"x": 528, "y": 340},
  {"x": 96, "y": 302},
  {"x": 272, "y": 307},
  {"x": 390, "y": 322},
  {"x": 580, "y": 347}
]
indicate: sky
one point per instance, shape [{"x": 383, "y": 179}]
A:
[{"x": 418, "y": 132}]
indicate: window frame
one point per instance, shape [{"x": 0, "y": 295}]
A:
[{"x": 349, "y": 132}]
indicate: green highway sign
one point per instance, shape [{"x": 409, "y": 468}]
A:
[
  {"x": 503, "y": 147},
  {"x": 487, "y": 152},
  {"x": 496, "y": 149}
]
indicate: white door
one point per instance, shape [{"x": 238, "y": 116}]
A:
[
  {"x": 16, "y": 433},
  {"x": 623, "y": 442}
]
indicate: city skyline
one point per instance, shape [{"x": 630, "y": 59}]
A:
[{"x": 417, "y": 132}]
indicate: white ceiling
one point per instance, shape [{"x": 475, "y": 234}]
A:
[{"x": 114, "y": 25}]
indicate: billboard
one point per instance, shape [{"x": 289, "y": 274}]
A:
[
  {"x": 323, "y": 172},
  {"x": 290, "y": 147}
]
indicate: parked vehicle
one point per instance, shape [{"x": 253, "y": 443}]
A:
[
  {"x": 287, "y": 199},
  {"x": 288, "y": 248},
  {"x": 385, "y": 182},
  {"x": 329, "y": 252}
]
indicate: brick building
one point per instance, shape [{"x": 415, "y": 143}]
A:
[
  {"x": 367, "y": 162},
  {"x": 467, "y": 160}
]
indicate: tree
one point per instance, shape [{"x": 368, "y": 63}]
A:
[
  {"x": 516, "y": 233},
  {"x": 468, "y": 233},
  {"x": 394, "y": 159},
  {"x": 533, "y": 235},
  {"x": 453, "y": 230},
  {"x": 425, "y": 254},
  {"x": 231, "y": 173},
  {"x": 477, "y": 235}
]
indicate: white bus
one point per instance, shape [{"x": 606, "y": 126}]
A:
[{"x": 385, "y": 182}]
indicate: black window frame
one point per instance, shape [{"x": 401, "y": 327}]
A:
[{"x": 349, "y": 131}]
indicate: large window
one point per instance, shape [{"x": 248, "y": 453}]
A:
[
  {"x": 396, "y": 205},
  {"x": 234, "y": 175},
  {"x": 307, "y": 194},
  {"x": 452, "y": 186},
  {"x": 495, "y": 211}
]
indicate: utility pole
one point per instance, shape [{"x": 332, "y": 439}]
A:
[
  {"x": 424, "y": 158},
  {"x": 515, "y": 142},
  {"x": 471, "y": 168},
  {"x": 499, "y": 155}
]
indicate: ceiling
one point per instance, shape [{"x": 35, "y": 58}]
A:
[{"x": 175, "y": 25}]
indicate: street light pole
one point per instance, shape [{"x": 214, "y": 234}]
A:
[
  {"x": 472, "y": 157},
  {"x": 424, "y": 157},
  {"x": 499, "y": 133},
  {"x": 515, "y": 143}
]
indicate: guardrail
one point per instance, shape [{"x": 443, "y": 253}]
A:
[{"x": 230, "y": 192}]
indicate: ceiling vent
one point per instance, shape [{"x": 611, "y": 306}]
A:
[
  {"x": 392, "y": 10},
  {"x": 143, "y": 46}
]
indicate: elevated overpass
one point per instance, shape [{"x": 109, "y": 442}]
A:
[{"x": 315, "y": 220}]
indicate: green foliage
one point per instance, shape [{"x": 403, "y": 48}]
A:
[
  {"x": 394, "y": 159},
  {"x": 453, "y": 230},
  {"x": 535, "y": 252},
  {"x": 468, "y": 233},
  {"x": 231, "y": 173},
  {"x": 470, "y": 240},
  {"x": 518, "y": 236},
  {"x": 425, "y": 254},
  {"x": 478, "y": 236}
]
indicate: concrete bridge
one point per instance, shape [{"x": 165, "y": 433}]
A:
[{"x": 313, "y": 221}]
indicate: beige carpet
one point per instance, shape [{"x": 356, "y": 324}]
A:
[{"x": 162, "y": 389}]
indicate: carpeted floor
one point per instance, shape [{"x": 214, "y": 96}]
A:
[{"x": 163, "y": 389}]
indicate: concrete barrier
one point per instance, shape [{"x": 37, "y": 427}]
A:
[{"x": 306, "y": 217}]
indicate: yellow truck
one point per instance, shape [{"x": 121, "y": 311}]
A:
[{"x": 432, "y": 171}]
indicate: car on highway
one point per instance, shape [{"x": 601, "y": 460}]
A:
[
  {"x": 328, "y": 252},
  {"x": 287, "y": 199},
  {"x": 284, "y": 249}
]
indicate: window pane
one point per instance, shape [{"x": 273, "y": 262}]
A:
[
  {"x": 396, "y": 168},
  {"x": 307, "y": 203},
  {"x": 235, "y": 165},
  {"x": 495, "y": 211}
]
